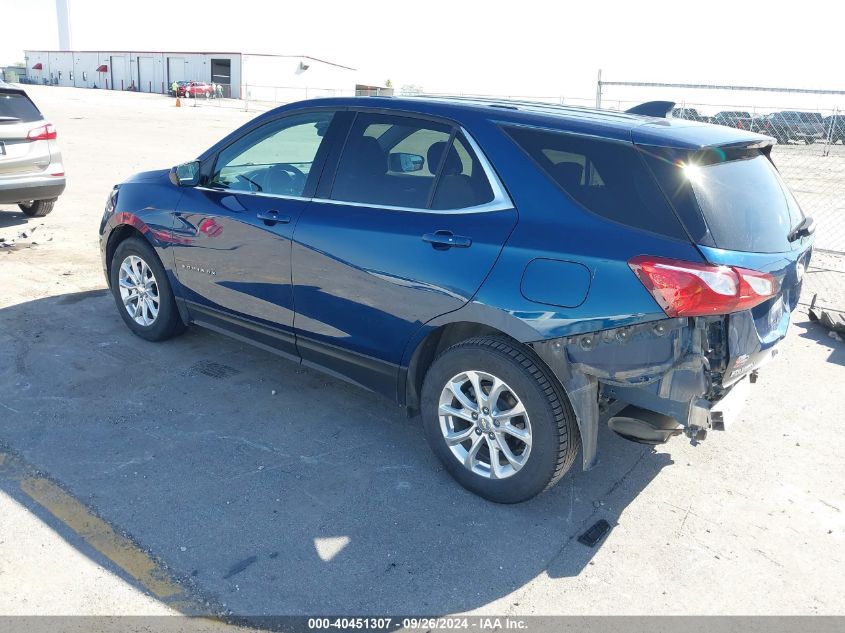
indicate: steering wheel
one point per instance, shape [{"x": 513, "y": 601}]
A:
[
  {"x": 297, "y": 177},
  {"x": 251, "y": 184}
]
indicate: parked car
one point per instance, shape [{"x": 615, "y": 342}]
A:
[
  {"x": 507, "y": 270},
  {"x": 32, "y": 175},
  {"x": 690, "y": 114},
  {"x": 734, "y": 118},
  {"x": 195, "y": 89},
  {"x": 179, "y": 85},
  {"x": 792, "y": 125},
  {"x": 834, "y": 128}
]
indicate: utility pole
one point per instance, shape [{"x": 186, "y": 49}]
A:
[{"x": 63, "y": 21}]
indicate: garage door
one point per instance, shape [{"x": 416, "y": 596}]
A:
[
  {"x": 145, "y": 74},
  {"x": 118, "y": 73},
  {"x": 175, "y": 69}
]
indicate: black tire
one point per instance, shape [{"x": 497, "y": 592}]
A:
[
  {"x": 37, "y": 208},
  {"x": 555, "y": 440},
  {"x": 168, "y": 323}
]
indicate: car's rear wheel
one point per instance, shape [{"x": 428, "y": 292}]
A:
[
  {"x": 496, "y": 419},
  {"x": 37, "y": 208},
  {"x": 142, "y": 291}
]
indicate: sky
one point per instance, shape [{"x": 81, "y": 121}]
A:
[{"x": 525, "y": 48}]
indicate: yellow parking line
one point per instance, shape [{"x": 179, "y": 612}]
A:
[
  {"x": 97, "y": 533},
  {"x": 100, "y": 535}
]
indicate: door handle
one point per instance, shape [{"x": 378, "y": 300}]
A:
[
  {"x": 272, "y": 217},
  {"x": 443, "y": 240}
]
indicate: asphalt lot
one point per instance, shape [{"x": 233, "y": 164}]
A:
[{"x": 145, "y": 478}]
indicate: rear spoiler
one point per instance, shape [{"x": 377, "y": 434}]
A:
[
  {"x": 10, "y": 89},
  {"x": 659, "y": 109}
]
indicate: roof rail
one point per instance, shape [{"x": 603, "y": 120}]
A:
[{"x": 502, "y": 100}]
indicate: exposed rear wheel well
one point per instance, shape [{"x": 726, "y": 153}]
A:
[{"x": 436, "y": 342}]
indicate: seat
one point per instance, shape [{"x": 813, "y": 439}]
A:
[
  {"x": 455, "y": 190},
  {"x": 569, "y": 176},
  {"x": 364, "y": 178}
]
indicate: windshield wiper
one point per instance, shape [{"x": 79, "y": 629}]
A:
[
  {"x": 804, "y": 228},
  {"x": 9, "y": 119}
]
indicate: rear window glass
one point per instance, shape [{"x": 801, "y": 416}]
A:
[
  {"x": 608, "y": 178},
  {"x": 730, "y": 199},
  {"x": 17, "y": 107}
]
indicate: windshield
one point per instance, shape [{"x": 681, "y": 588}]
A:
[{"x": 730, "y": 199}]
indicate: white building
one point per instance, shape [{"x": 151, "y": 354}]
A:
[{"x": 279, "y": 78}]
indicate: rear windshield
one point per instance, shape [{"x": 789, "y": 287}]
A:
[
  {"x": 17, "y": 107},
  {"x": 731, "y": 199},
  {"x": 608, "y": 178}
]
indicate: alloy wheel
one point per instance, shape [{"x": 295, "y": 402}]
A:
[
  {"x": 139, "y": 290},
  {"x": 485, "y": 425}
]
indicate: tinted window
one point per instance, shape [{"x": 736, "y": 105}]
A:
[
  {"x": 397, "y": 161},
  {"x": 463, "y": 182},
  {"x": 606, "y": 177},
  {"x": 368, "y": 174},
  {"x": 275, "y": 158},
  {"x": 19, "y": 107},
  {"x": 740, "y": 200}
]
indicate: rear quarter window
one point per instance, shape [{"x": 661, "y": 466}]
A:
[
  {"x": 608, "y": 178},
  {"x": 19, "y": 107}
]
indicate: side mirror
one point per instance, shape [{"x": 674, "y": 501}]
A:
[
  {"x": 186, "y": 174},
  {"x": 405, "y": 163}
]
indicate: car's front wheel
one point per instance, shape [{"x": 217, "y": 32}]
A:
[
  {"x": 37, "y": 208},
  {"x": 142, "y": 291},
  {"x": 497, "y": 420}
]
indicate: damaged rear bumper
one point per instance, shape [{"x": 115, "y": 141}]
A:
[{"x": 673, "y": 374}]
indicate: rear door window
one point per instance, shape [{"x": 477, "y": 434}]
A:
[
  {"x": 15, "y": 107},
  {"x": 729, "y": 198},
  {"x": 406, "y": 162},
  {"x": 605, "y": 177}
]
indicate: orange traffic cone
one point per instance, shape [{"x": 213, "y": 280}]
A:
[{"x": 178, "y": 103}]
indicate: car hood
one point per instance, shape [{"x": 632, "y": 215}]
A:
[{"x": 156, "y": 175}]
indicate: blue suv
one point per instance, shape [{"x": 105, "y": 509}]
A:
[{"x": 508, "y": 270}]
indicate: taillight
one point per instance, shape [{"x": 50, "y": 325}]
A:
[
  {"x": 44, "y": 133},
  {"x": 685, "y": 289}
]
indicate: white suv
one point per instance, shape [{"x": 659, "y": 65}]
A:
[{"x": 31, "y": 171}]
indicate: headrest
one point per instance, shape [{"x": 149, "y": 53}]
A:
[
  {"x": 569, "y": 174},
  {"x": 453, "y": 164},
  {"x": 369, "y": 156}
]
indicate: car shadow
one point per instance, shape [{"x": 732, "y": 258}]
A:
[
  {"x": 10, "y": 218},
  {"x": 817, "y": 332},
  {"x": 271, "y": 488}
]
